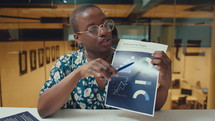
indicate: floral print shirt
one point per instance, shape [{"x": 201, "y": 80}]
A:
[{"x": 86, "y": 94}]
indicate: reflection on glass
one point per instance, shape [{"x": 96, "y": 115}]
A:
[
  {"x": 41, "y": 57},
  {"x": 33, "y": 59},
  {"x": 23, "y": 62}
]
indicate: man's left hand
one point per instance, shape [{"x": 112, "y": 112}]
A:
[{"x": 163, "y": 64}]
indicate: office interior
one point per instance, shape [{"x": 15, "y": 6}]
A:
[{"x": 35, "y": 33}]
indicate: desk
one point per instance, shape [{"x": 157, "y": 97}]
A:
[
  {"x": 116, "y": 115},
  {"x": 189, "y": 98},
  {"x": 196, "y": 101}
]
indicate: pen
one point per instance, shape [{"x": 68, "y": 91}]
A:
[
  {"x": 125, "y": 66},
  {"x": 121, "y": 68}
]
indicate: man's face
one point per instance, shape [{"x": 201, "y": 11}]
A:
[{"x": 100, "y": 43}]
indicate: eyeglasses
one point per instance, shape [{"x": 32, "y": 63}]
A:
[{"x": 95, "y": 29}]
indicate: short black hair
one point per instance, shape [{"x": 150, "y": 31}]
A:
[{"x": 73, "y": 16}]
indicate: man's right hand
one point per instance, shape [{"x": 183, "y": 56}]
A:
[{"x": 99, "y": 68}]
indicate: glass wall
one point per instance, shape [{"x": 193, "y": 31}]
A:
[
  {"x": 192, "y": 54},
  {"x": 34, "y": 34}
]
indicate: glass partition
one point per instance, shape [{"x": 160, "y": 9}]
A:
[
  {"x": 34, "y": 34},
  {"x": 192, "y": 54}
]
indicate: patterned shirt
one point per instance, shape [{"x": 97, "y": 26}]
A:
[{"x": 86, "y": 94}]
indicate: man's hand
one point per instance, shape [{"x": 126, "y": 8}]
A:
[
  {"x": 163, "y": 64},
  {"x": 98, "y": 68}
]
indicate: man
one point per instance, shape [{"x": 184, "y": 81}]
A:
[{"x": 75, "y": 79}]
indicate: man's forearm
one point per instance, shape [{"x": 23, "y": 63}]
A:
[
  {"x": 162, "y": 94},
  {"x": 55, "y": 97}
]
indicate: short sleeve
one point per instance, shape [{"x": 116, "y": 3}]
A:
[{"x": 60, "y": 69}]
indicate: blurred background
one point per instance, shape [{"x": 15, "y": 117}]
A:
[{"x": 34, "y": 33}]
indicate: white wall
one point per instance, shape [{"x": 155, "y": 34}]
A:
[{"x": 193, "y": 68}]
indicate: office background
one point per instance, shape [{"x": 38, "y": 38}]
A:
[{"x": 34, "y": 33}]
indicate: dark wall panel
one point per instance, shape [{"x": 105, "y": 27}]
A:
[{"x": 41, "y": 34}]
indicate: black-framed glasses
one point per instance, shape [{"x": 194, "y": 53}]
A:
[{"x": 94, "y": 30}]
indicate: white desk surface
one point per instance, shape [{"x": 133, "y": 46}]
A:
[{"x": 116, "y": 115}]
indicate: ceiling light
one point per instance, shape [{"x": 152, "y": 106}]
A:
[{"x": 64, "y": 1}]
